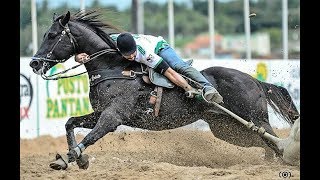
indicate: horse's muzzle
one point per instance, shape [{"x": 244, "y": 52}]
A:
[{"x": 35, "y": 64}]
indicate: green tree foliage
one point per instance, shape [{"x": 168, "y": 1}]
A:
[
  {"x": 25, "y": 28},
  {"x": 25, "y": 13},
  {"x": 189, "y": 22},
  {"x": 155, "y": 19}
]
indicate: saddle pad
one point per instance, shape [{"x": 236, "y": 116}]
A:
[{"x": 161, "y": 80}]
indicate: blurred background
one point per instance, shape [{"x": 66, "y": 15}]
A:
[
  {"x": 258, "y": 37},
  {"x": 188, "y": 25}
]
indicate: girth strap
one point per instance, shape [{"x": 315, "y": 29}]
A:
[{"x": 100, "y": 75}]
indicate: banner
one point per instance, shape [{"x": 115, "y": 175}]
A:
[{"x": 46, "y": 105}]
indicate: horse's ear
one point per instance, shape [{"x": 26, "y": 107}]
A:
[
  {"x": 54, "y": 17},
  {"x": 65, "y": 19}
]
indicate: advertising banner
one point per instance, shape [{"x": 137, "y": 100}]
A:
[{"x": 46, "y": 105}]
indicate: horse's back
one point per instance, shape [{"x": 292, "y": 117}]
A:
[
  {"x": 219, "y": 72},
  {"x": 242, "y": 93},
  {"x": 229, "y": 79}
]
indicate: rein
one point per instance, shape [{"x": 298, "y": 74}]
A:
[{"x": 91, "y": 57}]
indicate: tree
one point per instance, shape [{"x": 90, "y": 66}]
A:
[{"x": 25, "y": 13}]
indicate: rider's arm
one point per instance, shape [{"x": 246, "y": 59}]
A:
[
  {"x": 172, "y": 75},
  {"x": 159, "y": 65}
]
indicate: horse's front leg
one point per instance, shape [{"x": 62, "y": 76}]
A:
[
  {"x": 86, "y": 121},
  {"x": 108, "y": 121}
]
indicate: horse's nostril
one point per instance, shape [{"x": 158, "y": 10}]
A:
[
  {"x": 34, "y": 63},
  {"x": 295, "y": 117}
]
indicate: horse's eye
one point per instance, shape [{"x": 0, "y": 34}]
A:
[
  {"x": 52, "y": 35},
  {"x": 44, "y": 36}
]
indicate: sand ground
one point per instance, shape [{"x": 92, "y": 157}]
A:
[{"x": 169, "y": 154}]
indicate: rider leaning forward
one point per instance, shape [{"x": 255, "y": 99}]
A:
[{"x": 156, "y": 53}]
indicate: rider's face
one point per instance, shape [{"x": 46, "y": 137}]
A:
[{"x": 131, "y": 57}]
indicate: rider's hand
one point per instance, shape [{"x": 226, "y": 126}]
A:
[{"x": 82, "y": 57}]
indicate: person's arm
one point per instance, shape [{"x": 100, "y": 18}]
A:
[
  {"x": 156, "y": 62},
  {"x": 177, "y": 79},
  {"x": 172, "y": 75}
]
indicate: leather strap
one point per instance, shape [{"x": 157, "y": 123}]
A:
[{"x": 158, "y": 101}]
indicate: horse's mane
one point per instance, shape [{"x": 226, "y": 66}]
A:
[{"x": 103, "y": 29}]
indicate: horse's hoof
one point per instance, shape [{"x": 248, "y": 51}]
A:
[
  {"x": 59, "y": 163},
  {"x": 83, "y": 161},
  {"x": 72, "y": 156}
]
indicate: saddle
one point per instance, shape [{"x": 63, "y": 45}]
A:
[{"x": 149, "y": 76}]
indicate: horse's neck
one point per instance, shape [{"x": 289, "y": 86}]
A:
[
  {"x": 106, "y": 62},
  {"x": 90, "y": 43},
  {"x": 87, "y": 39}
]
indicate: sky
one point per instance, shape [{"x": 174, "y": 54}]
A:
[{"x": 120, "y": 4}]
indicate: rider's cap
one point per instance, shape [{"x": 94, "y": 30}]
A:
[{"x": 126, "y": 44}]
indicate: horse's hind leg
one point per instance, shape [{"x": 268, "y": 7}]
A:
[
  {"x": 273, "y": 148},
  {"x": 86, "y": 121},
  {"x": 107, "y": 122}
]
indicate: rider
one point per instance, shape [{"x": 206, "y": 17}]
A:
[{"x": 156, "y": 53}]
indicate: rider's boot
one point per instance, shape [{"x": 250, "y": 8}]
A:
[{"x": 210, "y": 93}]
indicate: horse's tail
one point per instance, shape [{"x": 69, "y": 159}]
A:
[{"x": 280, "y": 101}]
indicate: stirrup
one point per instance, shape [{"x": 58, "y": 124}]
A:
[{"x": 193, "y": 93}]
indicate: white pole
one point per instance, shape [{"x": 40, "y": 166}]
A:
[
  {"x": 140, "y": 22},
  {"x": 285, "y": 28},
  {"x": 82, "y": 5},
  {"x": 171, "y": 23},
  {"x": 247, "y": 29},
  {"x": 211, "y": 28},
  {"x": 35, "y": 49}
]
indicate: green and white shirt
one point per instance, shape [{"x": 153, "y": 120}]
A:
[{"x": 148, "y": 47}]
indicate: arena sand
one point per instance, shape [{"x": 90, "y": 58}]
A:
[{"x": 170, "y": 154}]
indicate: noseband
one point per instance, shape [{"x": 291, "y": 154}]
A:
[{"x": 65, "y": 31}]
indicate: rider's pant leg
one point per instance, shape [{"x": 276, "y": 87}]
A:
[{"x": 172, "y": 58}]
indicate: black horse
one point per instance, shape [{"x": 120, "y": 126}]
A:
[{"x": 118, "y": 99}]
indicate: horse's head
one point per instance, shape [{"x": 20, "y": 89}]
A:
[
  {"x": 58, "y": 45},
  {"x": 81, "y": 32}
]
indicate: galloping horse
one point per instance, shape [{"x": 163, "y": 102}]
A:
[{"x": 117, "y": 99}]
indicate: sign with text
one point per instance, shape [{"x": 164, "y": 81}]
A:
[{"x": 46, "y": 105}]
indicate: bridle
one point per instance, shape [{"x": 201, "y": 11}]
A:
[{"x": 66, "y": 31}]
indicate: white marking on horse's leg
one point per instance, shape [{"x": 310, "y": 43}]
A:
[
  {"x": 290, "y": 146},
  {"x": 61, "y": 162},
  {"x": 79, "y": 149},
  {"x": 291, "y": 153}
]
